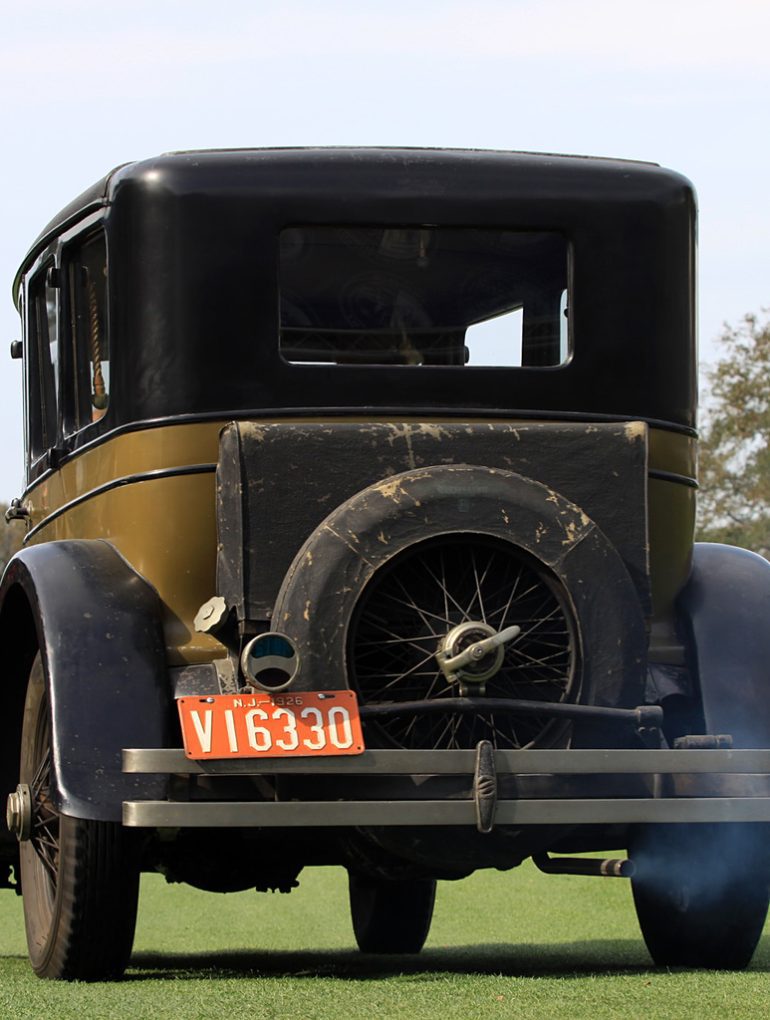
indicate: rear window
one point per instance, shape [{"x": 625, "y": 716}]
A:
[{"x": 457, "y": 297}]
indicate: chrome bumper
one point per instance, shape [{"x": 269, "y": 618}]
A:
[{"x": 672, "y": 786}]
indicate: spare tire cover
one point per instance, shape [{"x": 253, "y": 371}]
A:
[{"x": 323, "y": 586}]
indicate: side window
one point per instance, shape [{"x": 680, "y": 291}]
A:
[
  {"x": 85, "y": 270},
  {"x": 44, "y": 360}
]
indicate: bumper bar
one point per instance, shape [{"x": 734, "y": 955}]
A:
[{"x": 748, "y": 772}]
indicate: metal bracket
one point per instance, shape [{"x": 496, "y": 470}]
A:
[
  {"x": 704, "y": 742},
  {"x": 227, "y": 676},
  {"x": 485, "y": 786},
  {"x": 16, "y": 511}
]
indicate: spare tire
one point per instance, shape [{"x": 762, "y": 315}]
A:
[{"x": 380, "y": 583}]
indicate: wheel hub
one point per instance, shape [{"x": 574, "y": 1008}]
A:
[
  {"x": 18, "y": 814},
  {"x": 472, "y": 653}
]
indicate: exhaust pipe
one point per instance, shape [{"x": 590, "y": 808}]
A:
[{"x": 607, "y": 867}]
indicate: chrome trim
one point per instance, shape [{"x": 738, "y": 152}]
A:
[
  {"x": 163, "y": 814},
  {"x": 117, "y": 483},
  {"x": 277, "y": 414},
  {"x": 672, "y": 476},
  {"x": 386, "y": 762}
]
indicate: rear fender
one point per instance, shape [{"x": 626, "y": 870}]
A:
[
  {"x": 97, "y": 625},
  {"x": 725, "y": 611}
]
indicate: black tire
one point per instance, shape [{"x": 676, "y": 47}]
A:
[
  {"x": 391, "y": 916},
  {"x": 79, "y": 878},
  {"x": 701, "y": 893},
  {"x": 358, "y": 545}
]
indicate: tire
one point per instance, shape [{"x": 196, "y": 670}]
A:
[
  {"x": 391, "y": 916},
  {"x": 339, "y": 590},
  {"x": 79, "y": 878},
  {"x": 701, "y": 893}
]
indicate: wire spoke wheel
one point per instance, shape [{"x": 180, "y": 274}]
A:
[
  {"x": 412, "y": 604},
  {"x": 45, "y": 820},
  {"x": 79, "y": 878}
]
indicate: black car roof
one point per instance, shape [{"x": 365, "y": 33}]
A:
[
  {"x": 195, "y": 233},
  {"x": 208, "y": 162}
]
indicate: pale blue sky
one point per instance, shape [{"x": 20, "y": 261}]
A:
[{"x": 85, "y": 85}]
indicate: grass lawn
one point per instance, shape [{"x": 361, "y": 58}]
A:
[{"x": 510, "y": 945}]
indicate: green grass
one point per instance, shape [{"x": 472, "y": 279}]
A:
[{"x": 519, "y": 944}]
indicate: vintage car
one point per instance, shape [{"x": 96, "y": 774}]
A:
[{"x": 360, "y": 499}]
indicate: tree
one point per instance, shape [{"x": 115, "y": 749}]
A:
[
  {"x": 734, "y": 500},
  {"x": 11, "y": 536}
]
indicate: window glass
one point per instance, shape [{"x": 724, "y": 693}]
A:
[
  {"x": 43, "y": 368},
  {"x": 423, "y": 296},
  {"x": 86, "y": 271},
  {"x": 52, "y": 315}
]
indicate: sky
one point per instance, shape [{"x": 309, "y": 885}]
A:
[{"x": 86, "y": 85}]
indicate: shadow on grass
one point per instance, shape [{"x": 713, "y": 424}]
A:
[{"x": 563, "y": 960}]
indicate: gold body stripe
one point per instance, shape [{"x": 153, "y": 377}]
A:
[{"x": 166, "y": 526}]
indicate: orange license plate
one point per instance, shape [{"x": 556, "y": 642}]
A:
[{"x": 306, "y": 724}]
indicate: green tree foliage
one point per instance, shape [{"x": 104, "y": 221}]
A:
[
  {"x": 11, "y": 536},
  {"x": 734, "y": 500}
]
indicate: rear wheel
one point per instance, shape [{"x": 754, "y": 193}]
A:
[
  {"x": 701, "y": 893},
  {"x": 79, "y": 878},
  {"x": 391, "y": 916}
]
